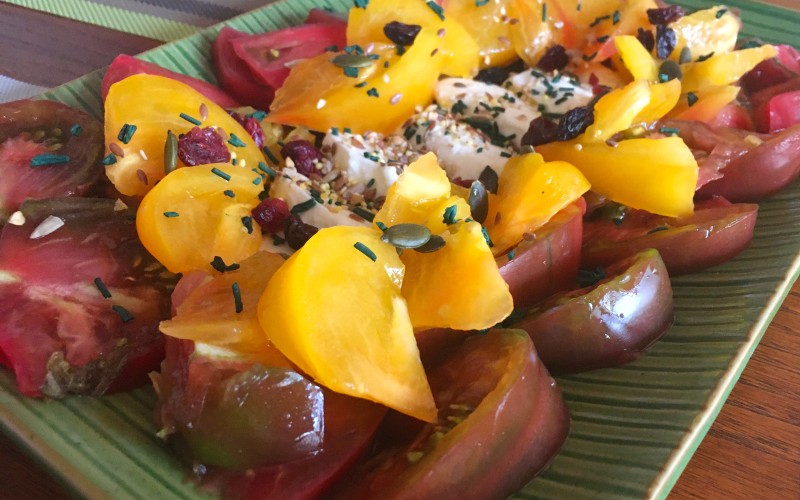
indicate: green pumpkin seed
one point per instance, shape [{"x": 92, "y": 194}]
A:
[
  {"x": 478, "y": 201},
  {"x": 170, "y": 152},
  {"x": 407, "y": 235},
  {"x": 435, "y": 243},
  {"x": 669, "y": 70},
  {"x": 352, "y": 61}
]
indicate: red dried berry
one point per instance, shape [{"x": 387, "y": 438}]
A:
[
  {"x": 271, "y": 214},
  {"x": 555, "y": 58},
  {"x": 646, "y": 38},
  {"x": 201, "y": 146},
  {"x": 298, "y": 232},
  {"x": 303, "y": 154},
  {"x": 401, "y": 33},
  {"x": 540, "y": 131},
  {"x": 251, "y": 125},
  {"x": 458, "y": 181},
  {"x": 575, "y": 122},
  {"x": 666, "y": 15},
  {"x": 498, "y": 75}
]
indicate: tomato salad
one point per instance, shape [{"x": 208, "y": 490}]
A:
[{"x": 353, "y": 267}]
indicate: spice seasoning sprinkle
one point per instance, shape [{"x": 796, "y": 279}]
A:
[
  {"x": 190, "y": 119},
  {"x": 171, "y": 214},
  {"x": 220, "y": 173},
  {"x": 365, "y": 250},
  {"x": 247, "y": 222},
  {"x": 98, "y": 282},
  {"x": 237, "y": 297},
  {"x": 45, "y": 159},
  {"x": 126, "y": 133},
  {"x": 218, "y": 264},
  {"x": 123, "y": 313},
  {"x": 75, "y": 130},
  {"x": 235, "y": 141}
]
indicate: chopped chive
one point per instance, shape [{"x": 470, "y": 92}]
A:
[
  {"x": 615, "y": 17},
  {"x": 235, "y": 141},
  {"x": 171, "y": 214},
  {"x": 45, "y": 159},
  {"x": 436, "y": 8},
  {"x": 123, "y": 313},
  {"x": 450, "y": 214},
  {"x": 544, "y": 12},
  {"x": 75, "y": 130},
  {"x": 692, "y": 98},
  {"x": 363, "y": 213},
  {"x": 350, "y": 72},
  {"x": 361, "y": 4},
  {"x": 360, "y": 85},
  {"x": 486, "y": 237},
  {"x": 481, "y": 3},
  {"x": 264, "y": 168},
  {"x": 669, "y": 130},
  {"x": 190, "y": 119},
  {"x": 220, "y": 173},
  {"x": 598, "y": 20},
  {"x": 277, "y": 240},
  {"x": 705, "y": 57},
  {"x": 257, "y": 181},
  {"x": 229, "y": 193},
  {"x": 720, "y": 13},
  {"x": 258, "y": 115},
  {"x": 302, "y": 207},
  {"x": 98, "y": 282},
  {"x": 270, "y": 156},
  {"x": 126, "y": 133},
  {"x": 371, "y": 157},
  {"x": 589, "y": 57},
  {"x": 237, "y": 297},
  {"x": 219, "y": 264},
  {"x": 247, "y": 222},
  {"x": 335, "y": 131},
  {"x": 381, "y": 226},
  {"x": 373, "y": 92},
  {"x": 366, "y": 251},
  {"x": 511, "y": 254},
  {"x": 110, "y": 159}
]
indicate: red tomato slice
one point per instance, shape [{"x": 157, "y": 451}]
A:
[
  {"x": 124, "y": 66},
  {"x": 270, "y": 55},
  {"x": 322, "y": 16},
  {"x": 234, "y": 75},
  {"x": 780, "y": 112},
  {"x": 715, "y": 233}
]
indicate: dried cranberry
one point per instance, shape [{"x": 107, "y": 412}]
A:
[
  {"x": 298, "y": 232},
  {"x": 303, "y": 154},
  {"x": 499, "y": 75},
  {"x": 401, "y": 33},
  {"x": 646, "y": 38},
  {"x": 575, "y": 122},
  {"x": 271, "y": 214},
  {"x": 458, "y": 181},
  {"x": 251, "y": 125},
  {"x": 201, "y": 146},
  {"x": 541, "y": 131},
  {"x": 665, "y": 41},
  {"x": 555, "y": 58},
  {"x": 666, "y": 15}
]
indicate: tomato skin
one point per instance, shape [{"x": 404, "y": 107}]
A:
[
  {"x": 760, "y": 172},
  {"x": 548, "y": 263},
  {"x": 124, "y": 66},
  {"x": 518, "y": 424},
  {"x": 635, "y": 309},
  {"x": 715, "y": 233},
  {"x": 234, "y": 75},
  {"x": 57, "y": 331},
  {"x": 19, "y": 122},
  {"x": 780, "y": 112}
]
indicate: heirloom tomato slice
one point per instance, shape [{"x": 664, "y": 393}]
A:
[
  {"x": 139, "y": 112},
  {"x": 47, "y": 149},
  {"x": 197, "y": 214},
  {"x": 234, "y": 75}
]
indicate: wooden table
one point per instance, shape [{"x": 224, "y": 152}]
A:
[{"x": 752, "y": 450}]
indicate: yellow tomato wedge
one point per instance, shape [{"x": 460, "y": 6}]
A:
[
  {"x": 421, "y": 187},
  {"x": 657, "y": 175},
  {"x": 705, "y": 32},
  {"x": 154, "y": 105},
  {"x": 319, "y": 95},
  {"x": 459, "y": 49},
  {"x": 636, "y": 58},
  {"x": 490, "y": 26},
  {"x": 198, "y": 213},
  {"x": 215, "y": 314},
  {"x": 663, "y": 97},
  {"x": 335, "y": 309},
  {"x": 457, "y": 286},
  {"x": 616, "y": 111},
  {"x": 532, "y": 32},
  {"x": 724, "y": 69},
  {"x": 708, "y": 104},
  {"x": 530, "y": 191}
]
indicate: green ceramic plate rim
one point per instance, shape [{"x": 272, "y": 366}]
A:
[{"x": 81, "y": 484}]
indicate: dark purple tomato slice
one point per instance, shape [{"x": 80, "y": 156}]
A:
[
  {"x": 47, "y": 150},
  {"x": 234, "y": 75},
  {"x": 546, "y": 261},
  {"x": 779, "y": 113},
  {"x": 716, "y": 232},
  {"x": 314, "y": 433},
  {"x": 270, "y": 55},
  {"x": 80, "y": 299},
  {"x": 501, "y": 421},
  {"x": 124, "y": 66},
  {"x": 773, "y": 71},
  {"x": 606, "y": 324}
]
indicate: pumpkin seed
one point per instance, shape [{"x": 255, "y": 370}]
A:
[
  {"x": 435, "y": 243},
  {"x": 407, "y": 235},
  {"x": 170, "y": 152},
  {"x": 478, "y": 201},
  {"x": 352, "y": 61}
]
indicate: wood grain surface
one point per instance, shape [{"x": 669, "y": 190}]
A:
[{"x": 751, "y": 452}]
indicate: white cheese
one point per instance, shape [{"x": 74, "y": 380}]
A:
[{"x": 554, "y": 93}]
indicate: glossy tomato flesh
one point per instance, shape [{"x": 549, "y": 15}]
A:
[
  {"x": 608, "y": 323},
  {"x": 506, "y": 416},
  {"x": 234, "y": 75}
]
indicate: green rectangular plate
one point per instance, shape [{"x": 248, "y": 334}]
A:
[{"x": 634, "y": 427}]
